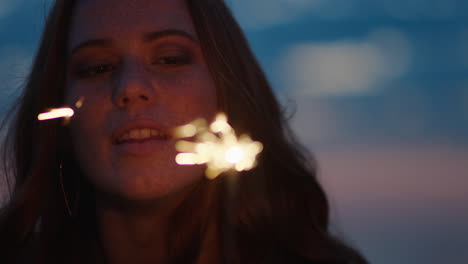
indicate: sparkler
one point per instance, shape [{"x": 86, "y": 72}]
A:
[
  {"x": 217, "y": 146},
  {"x": 63, "y": 112},
  {"x": 54, "y": 113}
]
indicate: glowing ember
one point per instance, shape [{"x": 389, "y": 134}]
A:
[
  {"x": 217, "y": 146},
  {"x": 56, "y": 113},
  {"x": 80, "y": 102},
  {"x": 234, "y": 155}
]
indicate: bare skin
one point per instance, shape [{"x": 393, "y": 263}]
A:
[{"x": 135, "y": 73}]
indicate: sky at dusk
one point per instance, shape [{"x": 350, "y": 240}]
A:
[{"x": 377, "y": 90}]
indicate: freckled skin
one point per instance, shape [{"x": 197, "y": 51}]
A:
[{"x": 135, "y": 88}]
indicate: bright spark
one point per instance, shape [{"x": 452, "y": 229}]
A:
[
  {"x": 80, "y": 102},
  {"x": 56, "y": 113},
  {"x": 217, "y": 146},
  {"x": 234, "y": 155}
]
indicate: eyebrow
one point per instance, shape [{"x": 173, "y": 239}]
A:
[{"x": 146, "y": 38}]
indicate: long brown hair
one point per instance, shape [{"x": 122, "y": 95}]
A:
[{"x": 277, "y": 213}]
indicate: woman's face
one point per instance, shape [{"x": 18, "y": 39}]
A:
[{"x": 139, "y": 67}]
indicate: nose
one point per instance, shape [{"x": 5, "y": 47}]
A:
[{"x": 133, "y": 86}]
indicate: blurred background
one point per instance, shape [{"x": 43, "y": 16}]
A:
[{"x": 379, "y": 92}]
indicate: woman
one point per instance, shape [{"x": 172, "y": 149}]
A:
[{"x": 106, "y": 189}]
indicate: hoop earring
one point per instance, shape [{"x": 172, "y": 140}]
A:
[{"x": 67, "y": 204}]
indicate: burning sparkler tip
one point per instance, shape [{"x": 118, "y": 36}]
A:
[
  {"x": 217, "y": 146},
  {"x": 64, "y": 112}
]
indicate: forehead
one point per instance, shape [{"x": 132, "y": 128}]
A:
[{"x": 95, "y": 19}]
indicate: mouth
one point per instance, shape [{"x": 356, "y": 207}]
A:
[
  {"x": 141, "y": 135},
  {"x": 138, "y": 132}
]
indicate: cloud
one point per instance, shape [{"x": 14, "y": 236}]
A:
[
  {"x": 333, "y": 68},
  {"x": 8, "y": 6},
  {"x": 414, "y": 9},
  {"x": 346, "y": 67},
  {"x": 258, "y": 14},
  {"x": 255, "y": 14},
  {"x": 315, "y": 122}
]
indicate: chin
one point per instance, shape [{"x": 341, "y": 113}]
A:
[{"x": 148, "y": 189}]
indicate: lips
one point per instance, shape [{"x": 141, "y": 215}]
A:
[{"x": 139, "y": 131}]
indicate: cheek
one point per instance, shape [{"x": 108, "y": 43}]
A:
[
  {"x": 88, "y": 128},
  {"x": 195, "y": 96},
  {"x": 91, "y": 150},
  {"x": 88, "y": 94},
  {"x": 87, "y": 138},
  {"x": 91, "y": 114}
]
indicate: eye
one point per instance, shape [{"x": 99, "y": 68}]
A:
[
  {"x": 94, "y": 70},
  {"x": 173, "y": 61}
]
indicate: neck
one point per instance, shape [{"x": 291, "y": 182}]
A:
[{"x": 142, "y": 233}]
